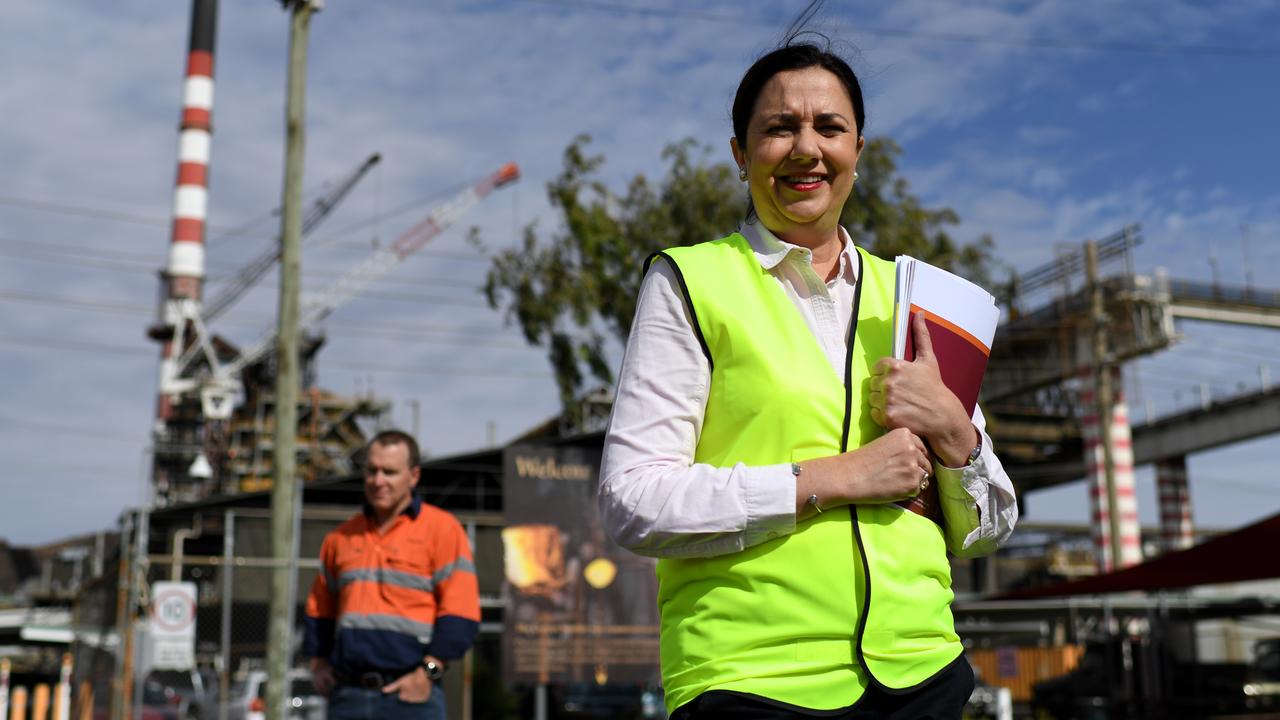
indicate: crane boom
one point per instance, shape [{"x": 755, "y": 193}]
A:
[
  {"x": 253, "y": 271},
  {"x": 380, "y": 263}
]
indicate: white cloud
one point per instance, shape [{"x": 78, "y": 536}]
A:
[{"x": 1044, "y": 135}]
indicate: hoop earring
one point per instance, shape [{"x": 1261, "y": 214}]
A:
[{"x": 742, "y": 174}]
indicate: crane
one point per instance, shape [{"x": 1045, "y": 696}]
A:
[
  {"x": 253, "y": 270},
  {"x": 221, "y": 385}
]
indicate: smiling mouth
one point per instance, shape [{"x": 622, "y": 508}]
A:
[{"x": 803, "y": 183}]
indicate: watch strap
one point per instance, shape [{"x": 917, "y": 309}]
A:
[
  {"x": 435, "y": 670},
  {"x": 977, "y": 450}
]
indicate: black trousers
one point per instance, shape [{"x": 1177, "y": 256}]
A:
[{"x": 941, "y": 698}]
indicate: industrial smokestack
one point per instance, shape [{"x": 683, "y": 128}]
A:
[
  {"x": 183, "y": 276},
  {"x": 186, "y": 249}
]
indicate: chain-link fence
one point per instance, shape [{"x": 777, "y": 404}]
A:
[{"x": 226, "y": 555}]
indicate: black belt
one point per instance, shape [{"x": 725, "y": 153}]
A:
[{"x": 369, "y": 679}]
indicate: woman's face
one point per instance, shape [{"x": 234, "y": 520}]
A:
[{"x": 802, "y": 150}]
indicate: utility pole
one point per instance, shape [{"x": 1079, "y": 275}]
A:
[
  {"x": 1103, "y": 397},
  {"x": 284, "y": 460}
]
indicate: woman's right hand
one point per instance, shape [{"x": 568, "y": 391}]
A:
[{"x": 887, "y": 469}]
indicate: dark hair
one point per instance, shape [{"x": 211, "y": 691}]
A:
[
  {"x": 396, "y": 437},
  {"x": 797, "y": 56}
]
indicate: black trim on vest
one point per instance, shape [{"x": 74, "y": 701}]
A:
[
  {"x": 848, "y": 356},
  {"x": 844, "y": 447},
  {"x": 794, "y": 709},
  {"x": 688, "y": 301},
  {"x": 903, "y": 691},
  {"x": 692, "y": 705}
]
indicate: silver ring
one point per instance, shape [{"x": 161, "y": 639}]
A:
[{"x": 924, "y": 482}]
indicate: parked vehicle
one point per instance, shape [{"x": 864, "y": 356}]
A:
[
  {"x": 198, "y": 690},
  {"x": 157, "y": 703},
  {"x": 614, "y": 701},
  {"x": 162, "y": 702},
  {"x": 249, "y": 697},
  {"x": 1262, "y": 679}
]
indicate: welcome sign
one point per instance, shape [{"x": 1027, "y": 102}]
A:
[{"x": 578, "y": 607}]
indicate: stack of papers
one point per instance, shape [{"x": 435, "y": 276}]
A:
[{"x": 961, "y": 317}]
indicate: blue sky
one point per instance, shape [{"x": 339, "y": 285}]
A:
[{"x": 1038, "y": 122}]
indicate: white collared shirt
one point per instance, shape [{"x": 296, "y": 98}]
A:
[{"x": 656, "y": 501}]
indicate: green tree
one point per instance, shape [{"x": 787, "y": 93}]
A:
[{"x": 574, "y": 292}]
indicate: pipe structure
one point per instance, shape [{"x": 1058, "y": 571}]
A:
[{"x": 179, "y": 542}]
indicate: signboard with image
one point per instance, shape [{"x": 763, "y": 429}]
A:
[{"x": 579, "y": 608}]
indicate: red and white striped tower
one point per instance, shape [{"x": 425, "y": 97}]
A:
[
  {"x": 184, "y": 274},
  {"x": 1176, "y": 529},
  {"x": 186, "y": 248},
  {"x": 1122, "y": 462},
  {"x": 177, "y": 426}
]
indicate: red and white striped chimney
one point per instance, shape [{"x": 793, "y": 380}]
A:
[
  {"x": 186, "y": 248},
  {"x": 1176, "y": 529},
  {"x": 184, "y": 273},
  {"x": 1130, "y": 539}
]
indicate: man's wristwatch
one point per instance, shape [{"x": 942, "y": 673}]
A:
[{"x": 435, "y": 670}]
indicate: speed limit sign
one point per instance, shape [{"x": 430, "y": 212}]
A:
[{"x": 173, "y": 625}]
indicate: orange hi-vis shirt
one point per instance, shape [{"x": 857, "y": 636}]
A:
[{"x": 383, "y": 601}]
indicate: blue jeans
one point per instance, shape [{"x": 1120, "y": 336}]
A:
[{"x": 348, "y": 702}]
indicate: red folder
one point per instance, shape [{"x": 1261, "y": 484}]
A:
[{"x": 962, "y": 319}]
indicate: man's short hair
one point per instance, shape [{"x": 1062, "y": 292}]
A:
[{"x": 396, "y": 437}]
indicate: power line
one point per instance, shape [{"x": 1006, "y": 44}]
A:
[
  {"x": 65, "y": 344},
  {"x": 959, "y": 38},
  {"x": 217, "y": 232},
  {"x": 98, "y": 347},
  {"x": 151, "y": 269},
  {"x": 72, "y": 429},
  {"x": 82, "y": 303},
  {"x": 42, "y": 343},
  {"x": 113, "y": 306},
  {"x": 99, "y": 213},
  {"x": 442, "y": 372},
  {"x": 134, "y": 262},
  {"x": 349, "y": 330},
  {"x": 366, "y": 247},
  {"x": 80, "y": 261},
  {"x": 81, "y": 250},
  {"x": 423, "y": 299}
]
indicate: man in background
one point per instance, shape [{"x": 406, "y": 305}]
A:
[{"x": 396, "y": 599}]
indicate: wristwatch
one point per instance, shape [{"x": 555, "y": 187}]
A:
[
  {"x": 435, "y": 670},
  {"x": 977, "y": 450}
]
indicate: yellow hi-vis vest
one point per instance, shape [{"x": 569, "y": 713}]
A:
[{"x": 857, "y": 595}]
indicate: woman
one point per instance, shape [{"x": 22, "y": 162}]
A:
[{"x": 761, "y": 436}]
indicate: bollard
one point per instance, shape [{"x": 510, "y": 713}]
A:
[
  {"x": 19, "y": 704},
  {"x": 62, "y": 698},
  {"x": 40, "y": 702},
  {"x": 4, "y": 688}
]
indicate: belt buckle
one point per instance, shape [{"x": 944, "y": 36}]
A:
[{"x": 371, "y": 681}]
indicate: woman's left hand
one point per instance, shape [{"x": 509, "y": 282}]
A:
[{"x": 912, "y": 395}]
